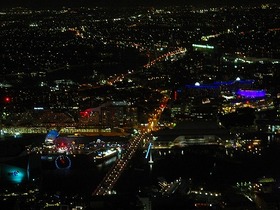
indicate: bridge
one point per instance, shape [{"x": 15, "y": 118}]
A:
[{"x": 106, "y": 185}]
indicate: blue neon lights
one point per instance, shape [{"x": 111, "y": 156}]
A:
[
  {"x": 248, "y": 82},
  {"x": 216, "y": 85},
  {"x": 13, "y": 174},
  {"x": 53, "y": 134},
  {"x": 148, "y": 150},
  {"x": 63, "y": 162},
  {"x": 201, "y": 86}
]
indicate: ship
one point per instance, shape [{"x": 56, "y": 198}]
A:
[{"x": 102, "y": 155}]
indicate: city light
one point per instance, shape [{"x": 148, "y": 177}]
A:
[
  {"x": 203, "y": 46},
  {"x": 7, "y": 99}
]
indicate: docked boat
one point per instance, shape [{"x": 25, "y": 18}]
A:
[{"x": 105, "y": 154}]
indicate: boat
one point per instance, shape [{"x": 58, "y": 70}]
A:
[{"x": 105, "y": 154}]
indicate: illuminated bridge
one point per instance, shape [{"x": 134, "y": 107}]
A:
[{"x": 108, "y": 182}]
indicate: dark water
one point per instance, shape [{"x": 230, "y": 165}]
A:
[
  {"x": 213, "y": 171},
  {"x": 205, "y": 166},
  {"x": 82, "y": 179}
]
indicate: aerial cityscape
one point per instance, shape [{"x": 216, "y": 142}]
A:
[{"x": 142, "y": 106}]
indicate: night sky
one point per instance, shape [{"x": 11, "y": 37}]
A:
[{"x": 89, "y": 3}]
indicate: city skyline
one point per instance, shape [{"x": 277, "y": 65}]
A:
[
  {"x": 139, "y": 108},
  {"x": 126, "y": 3}
]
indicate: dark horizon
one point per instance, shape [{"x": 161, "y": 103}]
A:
[{"x": 125, "y": 3}]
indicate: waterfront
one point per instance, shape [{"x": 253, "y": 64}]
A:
[
  {"x": 198, "y": 163},
  {"x": 139, "y": 72},
  {"x": 204, "y": 170},
  {"x": 212, "y": 168},
  {"x": 82, "y": 177}
]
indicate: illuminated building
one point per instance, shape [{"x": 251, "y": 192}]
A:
[
  {"x": 131, "y": 117},
  {"x": 216, "y": 88},
  {"x": 203, "y": 90},
  {"x": 234, "y": 85},
  {"x": 111, "y": 114},
  {"x": 91, "y": 116},
  {"x": 51, "y": 136},
  {"x": 251, "y": 93}
]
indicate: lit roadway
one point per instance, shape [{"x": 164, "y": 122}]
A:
[
  {"x": 108, "y": 182},
  {"x": 168, "y": 55}
]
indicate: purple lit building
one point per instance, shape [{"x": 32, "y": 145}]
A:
[{"x": 251, "y": 93}]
